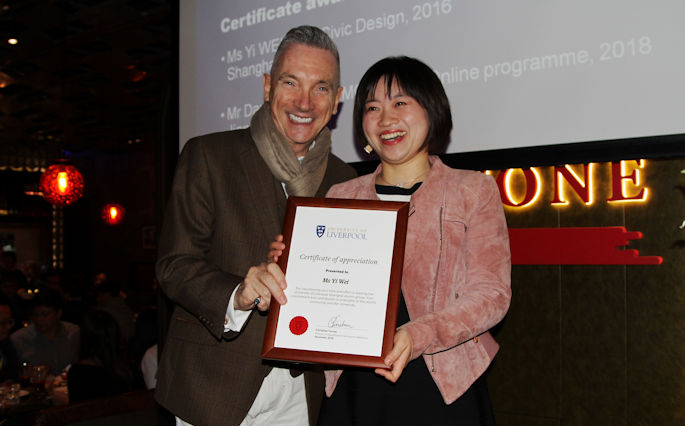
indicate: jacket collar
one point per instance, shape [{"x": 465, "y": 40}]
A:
[{"x": 427, "y": 190}]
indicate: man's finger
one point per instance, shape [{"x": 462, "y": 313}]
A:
[
  {"x": 247, "y": 293},
  {"x": 275, "y": 290},
  {"x": 277, "y": 274}
]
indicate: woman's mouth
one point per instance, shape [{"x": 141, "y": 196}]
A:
[{"x": 390, "y": 138}]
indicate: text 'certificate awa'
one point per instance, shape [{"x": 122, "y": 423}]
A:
[{"x": 343, "y": 266}]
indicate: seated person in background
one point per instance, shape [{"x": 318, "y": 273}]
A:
[
  {"x": 109, "y": 300},
  {"x": 101, "y": 370},
  {"x": 9, "y": 362},
  {"x": 47, "y": 340},
  {"x": 69, "y": 287}
]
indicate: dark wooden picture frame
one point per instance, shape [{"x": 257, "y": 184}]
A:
[{"x": 269, "y": 351}]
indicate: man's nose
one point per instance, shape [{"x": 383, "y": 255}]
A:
[{"x": 304, "y": 101}]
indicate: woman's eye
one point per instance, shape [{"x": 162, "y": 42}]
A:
[
  {"x": 371, "y": 108},
  {"x": 400, "y": 103}
]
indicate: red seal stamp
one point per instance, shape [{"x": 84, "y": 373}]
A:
[{"x": 298, "y": 325}]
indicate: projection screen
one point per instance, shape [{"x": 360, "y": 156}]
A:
[{"x": 525, "y": 73}]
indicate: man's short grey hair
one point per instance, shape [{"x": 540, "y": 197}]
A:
[{"x": 309, "y": 36}]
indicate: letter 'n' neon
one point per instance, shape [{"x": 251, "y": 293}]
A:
[{"x": 575, "y": 182}]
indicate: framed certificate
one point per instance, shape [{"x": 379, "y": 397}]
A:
[{"x": 343, "y": 265}]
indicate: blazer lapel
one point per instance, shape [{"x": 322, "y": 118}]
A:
[{"x": 264, "y": 190}]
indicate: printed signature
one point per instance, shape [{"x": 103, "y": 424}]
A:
[{"x": 338, "y": 322}]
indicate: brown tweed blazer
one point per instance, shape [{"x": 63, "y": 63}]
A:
[{"x": 224, "y": 210}]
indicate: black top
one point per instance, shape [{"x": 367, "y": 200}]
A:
[{"x": 397, "y": 190}]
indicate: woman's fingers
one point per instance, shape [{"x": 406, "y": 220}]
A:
[
  {"x": 398, "y": 357},
  {"x": 276, "y": 249}
]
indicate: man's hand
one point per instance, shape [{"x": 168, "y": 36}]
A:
[
  {"x": 398, "y": 357},
  {"x": 264, "y": 282}
]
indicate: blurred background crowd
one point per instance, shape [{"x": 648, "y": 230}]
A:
[{"x": 74, "y": 332}]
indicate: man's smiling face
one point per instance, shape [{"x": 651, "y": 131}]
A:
[{"x": 303, "y": 93}]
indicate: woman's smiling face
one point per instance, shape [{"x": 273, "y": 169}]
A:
[{"x": 395, "y": 124}]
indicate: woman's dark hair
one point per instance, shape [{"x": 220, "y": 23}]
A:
[
  {"x": 101, "y": 339},
  {"x": 416, "y": 80}
]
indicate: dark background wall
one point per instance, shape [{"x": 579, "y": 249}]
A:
[
  {"x": 598, "y": 345},
  {"x": 89, "y": 246},
  {"x": 120, "y": 251}
]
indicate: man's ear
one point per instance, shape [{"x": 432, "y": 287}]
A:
[
  {"x": 267, "y": 87},
  {"x": 337, "y": 100}
]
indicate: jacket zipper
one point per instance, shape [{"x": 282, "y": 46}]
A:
[{"x": 435, "y": 283}]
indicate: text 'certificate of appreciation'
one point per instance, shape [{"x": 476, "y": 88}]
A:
[{"x": 342, "y": 259}]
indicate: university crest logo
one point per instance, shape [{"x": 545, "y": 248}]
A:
[{"x": 320, "y": 229}]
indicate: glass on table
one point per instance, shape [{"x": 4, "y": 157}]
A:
[
  {"x": 38, "y": 375},
  {"x": 25, "y": 370}
]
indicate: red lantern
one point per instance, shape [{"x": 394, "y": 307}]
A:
[
  {"x": 113, "y": 214},
  {"x": 61, "y": 184}
]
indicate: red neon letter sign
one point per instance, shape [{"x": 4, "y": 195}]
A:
[
  {"x": 532, "y": 187},
  {"x": 618, "y": 182},
  {"x": 582, "y": 189}
]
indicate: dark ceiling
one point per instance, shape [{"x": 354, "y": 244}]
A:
[{"x": 86, "y": 76}]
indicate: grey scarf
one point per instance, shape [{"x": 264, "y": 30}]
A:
[{"x": 301, "y": 179}]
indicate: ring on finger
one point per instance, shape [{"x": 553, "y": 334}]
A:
[{"x": 257, "y": 301}]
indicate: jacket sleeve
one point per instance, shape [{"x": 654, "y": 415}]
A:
[
  {"x": 471, "y": 308},
  {"x": 184, "y": 268}
]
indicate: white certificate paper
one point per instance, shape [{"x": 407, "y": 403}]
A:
[{"x": 337, "y": 272}]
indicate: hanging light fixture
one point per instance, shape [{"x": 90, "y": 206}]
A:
[
  {"x": 113, "y": 214},
  {"x": 61, "y": 184}
]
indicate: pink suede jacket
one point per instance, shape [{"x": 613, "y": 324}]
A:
[{"x": 456, "y": 276}]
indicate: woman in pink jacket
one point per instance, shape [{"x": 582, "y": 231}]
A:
[{"x": 456, "y": 274}]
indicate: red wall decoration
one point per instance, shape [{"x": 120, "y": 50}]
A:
[{"x": 576, "y": 246}]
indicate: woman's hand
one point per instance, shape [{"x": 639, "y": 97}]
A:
[
  {"x": 398, "y": 357},
  {"x": 276, "y": 248}
]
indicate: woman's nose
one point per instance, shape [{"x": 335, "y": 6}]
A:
[{"x": 388, "y": 117}]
